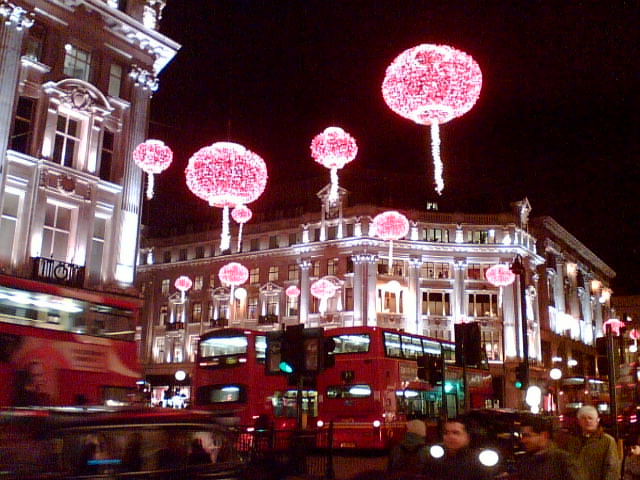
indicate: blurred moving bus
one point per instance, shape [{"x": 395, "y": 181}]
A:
[
  {"x": 62, "y": 350},
  {"x": 230, "y": 380},
  {"x": 374, "y": 388}
]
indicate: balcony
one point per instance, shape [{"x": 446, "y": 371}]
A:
[
  {"x": 219, "y": 323},
  {"x": 267, "y": 319},
  {"x": 56, "y": 271},
  {"x": 171, "y": 327}
]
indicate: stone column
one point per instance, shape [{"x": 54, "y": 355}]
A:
[
  {"x": 303, "y": 307},
  {"x": 372, "y": 276},
  {"x": 459, "y": 305},
  {"x": 144, "y": 84},
  {"x": 509, "y": 334},
  {"x": 14, "y": 21},
  {"x": 358, "y": 283},
  {"x": 413, "y": 314}
]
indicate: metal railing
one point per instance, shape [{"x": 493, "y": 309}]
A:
[
  {"x": 56, "y": 271},
  {"x": 288, "y": 452}
]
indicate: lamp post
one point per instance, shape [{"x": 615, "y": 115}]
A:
[
  {"x": 555, "y": 374},
  {"x": 517, "y": 267}
]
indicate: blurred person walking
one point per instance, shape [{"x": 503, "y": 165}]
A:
[
  {"x": 543, "y": 460},
  {"x": 458, "y": 460},
  {"x": 632, "y": 463}
]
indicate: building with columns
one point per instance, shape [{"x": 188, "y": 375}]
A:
[
  {"x": 436, "y": 279},
  {"x": 76, "y": 79}
]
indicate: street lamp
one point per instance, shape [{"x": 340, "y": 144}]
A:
[{"x": 555, "y": 374}]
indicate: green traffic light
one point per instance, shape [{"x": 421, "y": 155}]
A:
[
  {"x": 285, "y": 367},
  {"x": 517, "y": 384}
]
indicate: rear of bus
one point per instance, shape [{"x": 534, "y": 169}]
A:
[
  {"x": 356, "y": 394},
  {"x": 231, "y": 381}
]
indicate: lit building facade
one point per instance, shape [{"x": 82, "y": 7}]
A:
[
  {"x": 436, "y": 279},
  {"x": 76, "y": 79}
]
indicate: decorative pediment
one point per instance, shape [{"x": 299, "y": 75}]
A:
[{"x": 79, "y": 95}]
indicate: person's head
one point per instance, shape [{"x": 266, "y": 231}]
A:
[
  {"x": 418, "y": 427},
  {"x": 634, "y": 448},
  {"x": 535, "y": 433},
  {"x": 455, "y": 435},
  {"x": 588, "y": 419}
]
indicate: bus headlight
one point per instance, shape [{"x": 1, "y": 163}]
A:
[
  {"x": 489, "y": 457},
  {"x": 376, "y": 424},
  {"x": 436, "y": 451},
  {"x": 319, "y": 424}
]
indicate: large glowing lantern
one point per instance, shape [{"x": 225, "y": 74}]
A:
[
  {"x": 233, "y": 274},
  {"x": 634, "y": 335},
  {"x": 152, "y": 156},
  {"x": 183, "y": 283},
  {"x": 391, "y": 226},
  {"x": 333, "y": 148},
  {"x": 430, "y": 85},
  {"x": 500, "y": 276},
  {"x": 614, "y": 324},
  {"x": 241, "y": 214},
  {"x": 323, "y": 290},
  {"x": 226, "y": 174},
  {"x": 292, "y": 291}
]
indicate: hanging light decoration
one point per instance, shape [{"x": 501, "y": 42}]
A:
[
  {"x": 391, "y": 226},
  {"x": 500, "y": 276},
  {"x": 292, "y": 291},
  {"x": 614, "y": 324},
  {"x": 233, "y": 274},
  {"x": 634, "y": 335},
  {"x": 152, "y": 156},
  {"x": 183, "y": 283},
  {"x": 241, "y": 215},
  {"x": 333, "y": 148},
  {"x": 430, "y": 85},
  {"x": 225, "y": 175},
  {"x": 323, "y": 289}
]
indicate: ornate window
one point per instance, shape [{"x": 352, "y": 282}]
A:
[
  {"x": 77, "y": 62},
  {"x": 274, "y": 273},
  {"x": 11, "y": 207},
  {"x": 67, "y": 140},
  {"x": 58, "y": 228},
  {"x": 23, "y": 125},
  {"x": 115, "y": 80}
]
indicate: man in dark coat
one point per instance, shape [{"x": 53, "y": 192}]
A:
[
  {"x": 543, "y": 459},
  {"x": 458, "y": 460},
  {"x": 594, "y": 451},
  {"x": 411, "y": 454}
]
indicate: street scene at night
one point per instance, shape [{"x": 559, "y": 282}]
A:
[{"x": 259, "y": 239}]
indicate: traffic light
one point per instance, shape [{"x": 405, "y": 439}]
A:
[
  {"x": 468, "y": 340},
  {"x": 602, "y": 360},
  {"x": 328, "y": 346},
  {"x": 292, "y": 350},
  {"x": 423, "y": 368},
  {"x": 520, "y": 376},
  {"x": 430, "y": 369}
]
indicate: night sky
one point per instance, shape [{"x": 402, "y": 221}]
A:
[{"x": 557, "y": 121}]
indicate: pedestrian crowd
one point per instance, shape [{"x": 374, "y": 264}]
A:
[{"x": 587, "y": 454}]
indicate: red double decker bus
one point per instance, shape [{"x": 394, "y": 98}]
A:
[
  {"x": 57, "y": 349},
  {"x": 230, "y": 380},
  {"x": 373, "y": 388}
]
